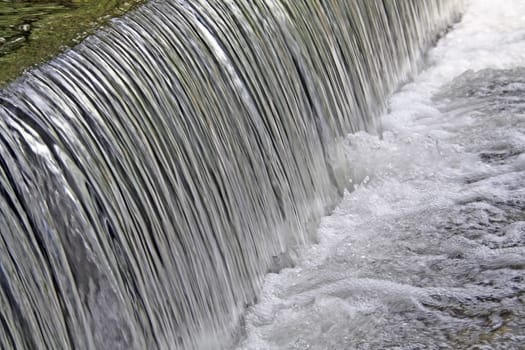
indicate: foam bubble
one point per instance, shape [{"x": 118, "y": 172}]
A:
[{"x": 427, "y": 250}]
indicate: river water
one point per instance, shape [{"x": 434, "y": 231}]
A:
[
  {"x": 153, "y": 174},
  {"x": 428, "y": 250}
]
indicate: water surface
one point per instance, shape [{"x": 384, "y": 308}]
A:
[{"x": 428, "y": 252}]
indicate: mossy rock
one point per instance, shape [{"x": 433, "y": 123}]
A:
[{"x": 34, "y": 31}]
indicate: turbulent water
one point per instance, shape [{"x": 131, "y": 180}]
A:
[
  {"x": 151, "y": 176},
  {"x": 428, "y": 251}
]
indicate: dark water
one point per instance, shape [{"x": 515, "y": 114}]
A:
[{"x": 151, "y": 176}]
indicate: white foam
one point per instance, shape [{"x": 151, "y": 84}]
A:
[{"x": 429, "y": 227}]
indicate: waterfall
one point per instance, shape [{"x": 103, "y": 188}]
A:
[{"x": 151, "y": 175}]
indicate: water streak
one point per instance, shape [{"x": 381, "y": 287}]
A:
[{"x": 152, "y": 175}]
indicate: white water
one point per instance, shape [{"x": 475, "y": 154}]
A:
[
  {"x": 428, "y": 252},
  {"x": 151, "y": 175}
]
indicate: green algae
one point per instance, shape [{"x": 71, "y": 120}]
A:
[{"x": 32, "y": 32}]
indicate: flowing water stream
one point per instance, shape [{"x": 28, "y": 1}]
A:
[
  {"x": 428, "y": 251},
  {"x": 152, "y": 175}
]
